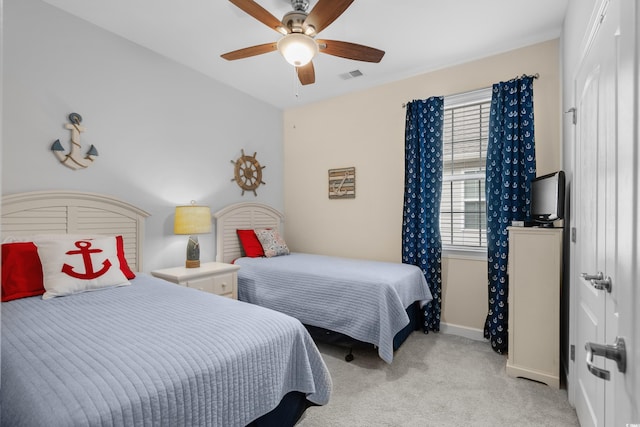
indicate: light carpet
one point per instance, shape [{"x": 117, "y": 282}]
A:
[{"x": 434, "y": 380}]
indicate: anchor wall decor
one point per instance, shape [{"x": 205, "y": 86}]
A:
[
  {"x": 74, "y": 159},
  {"x": 342, "y": 183}
]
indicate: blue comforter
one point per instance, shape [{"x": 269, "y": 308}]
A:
[
  {"x": 365, "y": 300},
  {"x": 152, "y": 353}
]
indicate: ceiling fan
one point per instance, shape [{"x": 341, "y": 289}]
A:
[{"x": 298, "y": 44}]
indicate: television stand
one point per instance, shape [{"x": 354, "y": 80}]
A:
[{"x": 535, "y": 269}]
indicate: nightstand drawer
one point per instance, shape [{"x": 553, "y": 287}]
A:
[
  {"x": 220, "y": 285},
  {"x": 205, "y": 284},
  {"x": 223, "y": 284}
]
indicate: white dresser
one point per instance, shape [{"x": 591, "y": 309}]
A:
[{"x": 535, "y": 270}]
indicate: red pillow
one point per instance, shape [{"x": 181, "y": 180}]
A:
[
  {"x": 21, "y": 271},
  {"x": 250, "y": 243},
  {"x": 124, "y": 266}
]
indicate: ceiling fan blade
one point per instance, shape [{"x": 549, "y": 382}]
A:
[
  {"x": 250, "y": 51},
  {"x": 350, "y": 50},
  {"x": 325, "y": 12},
  {"x": 261, "y": 14},
  {"x": 306, "y": 74}
]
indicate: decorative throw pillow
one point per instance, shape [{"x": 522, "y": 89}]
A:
[
  {"x": 72, "y": 266},
  {"x": 124, "y": 266},
  {"x": 21, "y": 271},
  {"x": 272, "y": 243},
  {"x": 250, "y": 243}
]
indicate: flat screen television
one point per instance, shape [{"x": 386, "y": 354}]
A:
[{"x": 547, "y": 199}]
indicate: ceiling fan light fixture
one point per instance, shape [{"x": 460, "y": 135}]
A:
[
  {"x": 310, "y": 30},
  {"x": 298, "y": 49}
]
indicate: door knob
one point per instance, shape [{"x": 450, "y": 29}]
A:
[
  {"x": 616, "y": 352},
  {"x": 602, "y": 284},
  {"x": 598, "y": 276},
  {"x": 598, "y": 280}
]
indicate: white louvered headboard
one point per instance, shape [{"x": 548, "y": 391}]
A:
[
  {"x": 74, "y": 212},
  {"x": 243, "y": 216}
]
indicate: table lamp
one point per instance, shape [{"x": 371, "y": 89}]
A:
[{"x": 192, "y": 220}]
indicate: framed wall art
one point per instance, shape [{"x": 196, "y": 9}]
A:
[{"x": 342, "y": 183}]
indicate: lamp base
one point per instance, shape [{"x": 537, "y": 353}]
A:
[
  {"x": 193, "y": 252},
  {"x": 192, "y": 263}
]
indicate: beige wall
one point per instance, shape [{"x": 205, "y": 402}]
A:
[
  {"x": 366, "y": 130},
  {"x": 464, "y": 293}
]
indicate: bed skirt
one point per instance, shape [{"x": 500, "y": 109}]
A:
[
  {"x": 287, "y": 413},
  {"x": 336, "y": 338}
]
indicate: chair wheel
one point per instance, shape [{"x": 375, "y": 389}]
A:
[{"x": 348, "y": 357}]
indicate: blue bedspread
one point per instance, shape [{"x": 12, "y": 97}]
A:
[
  {"x": 152, "y": 353},
  {"x": 365, "y": 300}
]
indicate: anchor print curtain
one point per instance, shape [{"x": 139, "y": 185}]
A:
[
  {"x": 511, "y": 165},
  {"x": 422, "y": 245}
]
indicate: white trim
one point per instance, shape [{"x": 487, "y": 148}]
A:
[
  {"x": 473, "y": 254},
  {"x": 462, "y": 331},
  {"x": 597, "y": 17},
  {"x": 468, "y": 98}
]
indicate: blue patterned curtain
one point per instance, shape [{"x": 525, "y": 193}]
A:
[
  {"x": 511, "y": 165},
  {"x": 423, "y": 188}
]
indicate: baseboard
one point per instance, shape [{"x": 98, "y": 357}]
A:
[{"x": 462, "y": 331}]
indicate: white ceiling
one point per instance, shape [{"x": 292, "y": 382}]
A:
[{"x": 417, "y": 35}]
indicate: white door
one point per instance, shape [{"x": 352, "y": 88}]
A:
[
  {"x": 590, "y": 221},
  {"x": 606, "y": 221},
  {"x": 625, "y": 295}
]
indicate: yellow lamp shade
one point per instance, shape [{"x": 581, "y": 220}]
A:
[{"x": 192, "y": 219}]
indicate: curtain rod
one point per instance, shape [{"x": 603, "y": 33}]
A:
[{"x": 533, "y": 76}]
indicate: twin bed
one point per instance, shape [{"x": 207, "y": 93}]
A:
[
  {"x": 368, "y": 301},
  {"x": 149, "y": 353}
]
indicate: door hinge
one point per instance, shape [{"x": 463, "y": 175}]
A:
[
  {"x": 603, "y": 12},
  {"x": 572, "y": 352},
  {"x": 573, "y": 234},
  {"x": 573, "y": 111}
]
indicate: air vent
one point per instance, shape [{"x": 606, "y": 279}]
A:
[{"x": 351, "y": 74}]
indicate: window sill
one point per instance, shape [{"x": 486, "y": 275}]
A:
[{"x": 475, "y": 254}]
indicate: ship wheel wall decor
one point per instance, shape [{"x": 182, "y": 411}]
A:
[{"x": 248, "y": 173}]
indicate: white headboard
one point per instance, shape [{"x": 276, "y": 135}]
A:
[
  {"x": 246, "y": 215},
  {"x": 74, "y": 212}
]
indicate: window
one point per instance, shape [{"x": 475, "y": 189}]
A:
[{"x": 463, "y": 219}]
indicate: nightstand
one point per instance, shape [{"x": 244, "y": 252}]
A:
[{"x": 213, "y": 277}]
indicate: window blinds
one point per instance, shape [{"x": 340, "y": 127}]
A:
[{"x": 463, "y": 208}]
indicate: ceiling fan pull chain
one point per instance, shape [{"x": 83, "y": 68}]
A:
[{"x": 296, "y": 83}]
